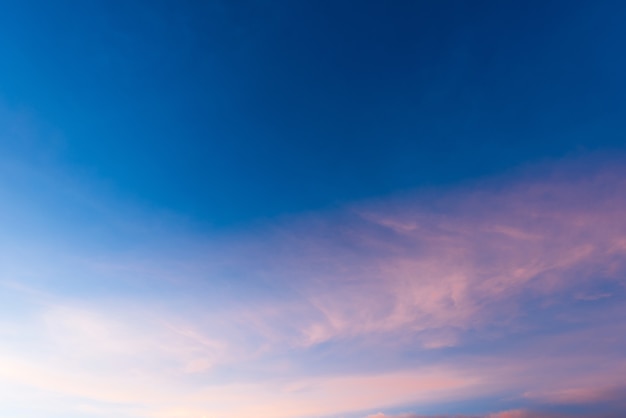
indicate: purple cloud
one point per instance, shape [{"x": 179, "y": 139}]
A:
[{"x": 509, "y": 290}]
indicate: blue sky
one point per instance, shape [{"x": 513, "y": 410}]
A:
[
  {"x": 330, "y": 209},
  {"x": 230, "y": 112}
]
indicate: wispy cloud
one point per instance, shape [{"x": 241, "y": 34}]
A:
[
  {"x": 513, "y": 413},
  {"x": 512, "y": 289}
]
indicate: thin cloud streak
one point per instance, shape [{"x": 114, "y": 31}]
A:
[{"x": 513, "y": 413}]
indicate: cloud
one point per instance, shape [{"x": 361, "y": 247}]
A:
[
  {"x": 519, "y": 413},
  {"x": 513, "y": 413},
  {"x": 381, "y": 415},
  {"x": 513, "y": 290},
  {"x": 397, "y": 266}
]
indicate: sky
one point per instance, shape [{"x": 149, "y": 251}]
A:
[{"x": 312, "y": 209}]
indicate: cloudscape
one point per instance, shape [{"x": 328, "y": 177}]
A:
[{"x": 403, "y": 209}]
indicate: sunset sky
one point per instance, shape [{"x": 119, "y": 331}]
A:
[{"x": 312, "y": 209}]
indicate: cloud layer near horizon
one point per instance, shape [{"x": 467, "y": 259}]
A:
[
  {"x": 511, "y": 290},
  {"x": 512, "y": 413}
]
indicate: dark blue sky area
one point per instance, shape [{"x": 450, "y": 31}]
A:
[{"x": 227, "y": 111}]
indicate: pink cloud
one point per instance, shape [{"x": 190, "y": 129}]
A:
[
  {"x": 397, "y": 266},
  {"x": 353, "y": 310},
  {"x": 381, "y": 415},
  {"x": 519, "y": 413},
  {"x": 514, "y": 413}
]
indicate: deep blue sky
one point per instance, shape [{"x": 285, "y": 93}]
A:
[{"x": 229, "y": 111}]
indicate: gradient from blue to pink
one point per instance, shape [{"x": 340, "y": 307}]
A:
[
  {"x": 204, "y": 217},
  {"x": 501, "y": 295}
]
